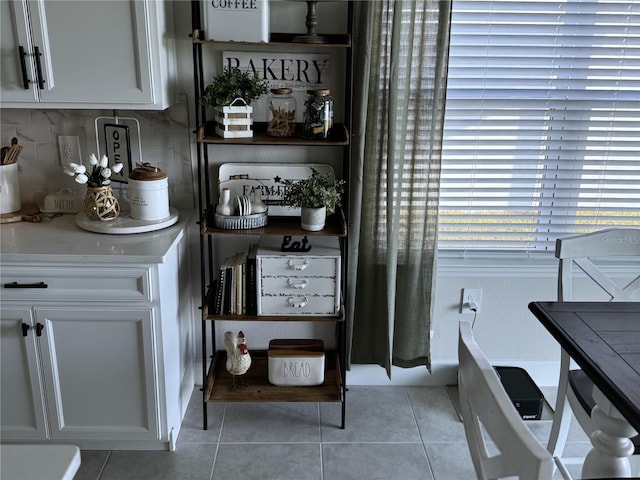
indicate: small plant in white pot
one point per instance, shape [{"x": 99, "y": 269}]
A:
[{"x": 317, "y": 196}]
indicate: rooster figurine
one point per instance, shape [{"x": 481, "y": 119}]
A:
[{"x": 238, "y": 358}]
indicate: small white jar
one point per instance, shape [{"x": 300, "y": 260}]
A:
[{"x": 148, "y": 193}]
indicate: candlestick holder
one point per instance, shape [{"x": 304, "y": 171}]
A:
[{"x": 311, "y": 24}]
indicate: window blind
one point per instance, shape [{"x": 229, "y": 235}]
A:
[{"x": 542, "y": 123}]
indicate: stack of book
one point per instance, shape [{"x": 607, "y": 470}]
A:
[{"x": 235, "y": 286}]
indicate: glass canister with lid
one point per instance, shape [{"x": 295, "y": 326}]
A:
[
  {"x": 318, "y": 114},
  {"x": 282, "y": 113}
]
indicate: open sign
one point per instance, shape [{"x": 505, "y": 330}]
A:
[{"x": 118, "y": 147}]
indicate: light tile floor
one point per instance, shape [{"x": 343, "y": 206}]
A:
[{"x": 399, "y": 433}]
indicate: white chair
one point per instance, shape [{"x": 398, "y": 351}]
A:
[
  {"x": 486, "y": 407},
  {"x": 581, "y": 258},
  {"x": 39, "y": 461}
]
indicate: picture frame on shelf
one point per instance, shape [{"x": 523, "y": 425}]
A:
[
  {"x": 298, "y": 71},
  {"x": 244, "y": 178}
]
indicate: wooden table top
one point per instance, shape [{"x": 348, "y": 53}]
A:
[{"x": 604, "y": 340}]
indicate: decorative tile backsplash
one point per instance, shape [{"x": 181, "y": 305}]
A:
[{"x": 165, "y": 139}]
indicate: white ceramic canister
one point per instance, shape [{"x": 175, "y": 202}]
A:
[
  {"x": 9, "y": 188},
  {"x": 148, "y": 193}
]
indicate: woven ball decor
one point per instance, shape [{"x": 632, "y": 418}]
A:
[{"x": 101, "y": 204}]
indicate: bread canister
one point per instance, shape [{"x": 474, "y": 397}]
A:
[
  {"x": 296, "y": 362},
  {"x": 148, "y": 193}
]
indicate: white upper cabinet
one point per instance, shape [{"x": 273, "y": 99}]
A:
[{"x": 89, "y": 54}]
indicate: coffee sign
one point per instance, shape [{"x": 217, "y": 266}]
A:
[{"x": 237, "y": 20}]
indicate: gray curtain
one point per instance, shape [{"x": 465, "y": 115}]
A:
[{"x": 400, "y": 69}]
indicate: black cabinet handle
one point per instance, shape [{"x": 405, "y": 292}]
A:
[
  {"x": 37, "y": 54},
  {"x": 25, "y": 329},
  {"x": 39, "y": 328},
  {"x": 23, "y": 67},
  {"x": 26, "y": 285}
]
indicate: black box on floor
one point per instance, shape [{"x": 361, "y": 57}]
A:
[{"x": 523, "y": 392}]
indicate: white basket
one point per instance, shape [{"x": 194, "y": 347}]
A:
[{"x": 234, "y": 120}]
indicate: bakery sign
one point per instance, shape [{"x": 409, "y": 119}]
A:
[{"x": 298, "y": 71}]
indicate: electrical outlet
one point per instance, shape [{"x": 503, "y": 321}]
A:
[
  {"x": 69, "y": 146},
  {"x": 471, "y": 298}
]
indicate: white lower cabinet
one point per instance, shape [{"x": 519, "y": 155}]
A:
[
  {"x": 22, "y": 403},
  {"x": 100, "y": 356},
  {"x": 99, "y": 373},
  {"x": 93, "y": 368}
]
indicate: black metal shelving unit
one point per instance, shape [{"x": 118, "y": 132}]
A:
[{"x": 216, "y": 381}]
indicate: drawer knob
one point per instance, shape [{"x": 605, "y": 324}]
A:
[
  {"x": 298, "y": 264},
  {"x": 299, "y": 302},
  {"x": 298, "y": 283}
]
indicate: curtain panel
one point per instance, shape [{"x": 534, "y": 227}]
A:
[{"x": 400, "y": 71}]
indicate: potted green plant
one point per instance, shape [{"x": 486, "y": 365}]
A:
[
  {"x": 317, "y": 196},
  {"x": 230, "y": 94}
]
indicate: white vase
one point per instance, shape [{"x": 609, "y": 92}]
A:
[
  {"x": 257, "y": 205},
  {"x": 224, "y": 205},
  {"x": 313, "y": 219}
]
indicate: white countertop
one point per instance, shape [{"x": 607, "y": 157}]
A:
[{"x": 60, "y": 240}]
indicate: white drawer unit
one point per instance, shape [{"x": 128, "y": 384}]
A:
[
  {"x": 298, "y": 283},
  {"x": 70, "y": 282}
]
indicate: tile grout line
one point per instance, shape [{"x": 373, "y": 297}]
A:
[
  {"x": 415, "y": 421},
  {"x": 217, "y": 449},
  {"x": 104, "y": 465},
  {"x": 320, "y": 438}
]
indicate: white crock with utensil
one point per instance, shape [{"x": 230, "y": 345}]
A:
[
  {"x": 9, "y": 188},
  {"x": 148, "y": 193}
]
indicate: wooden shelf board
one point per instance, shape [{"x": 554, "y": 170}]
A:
[
  {"x": 284, "y": 39},
  {"x": 277, "y": 318},
  {"x": 258, "y": 388},
  {"x": 338, "y": 136},
  {"x": 336, "y": 226}
]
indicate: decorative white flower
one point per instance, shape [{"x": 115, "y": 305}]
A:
[
  {"x": 97, "y": 175},
  {"x": 77, "y": 168}
]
